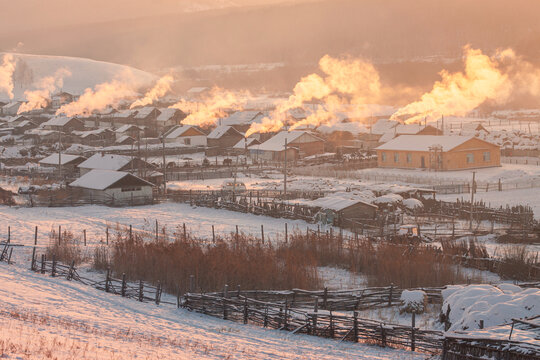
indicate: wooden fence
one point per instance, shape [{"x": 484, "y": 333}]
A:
[
  {"x": 292, "y": 315},
  {"x": 456, "y": 348}
]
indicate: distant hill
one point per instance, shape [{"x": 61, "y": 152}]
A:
[
  {"x": 84, "y": 73},
  {"x": 383, "y": 30}
]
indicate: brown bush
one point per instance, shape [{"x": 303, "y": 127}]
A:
[
  {"x": 234, "y": 260},
  {"x": 517, "y": 263},
  {"x": 67, "y": 249}
]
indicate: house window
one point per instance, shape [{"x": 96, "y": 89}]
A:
[
  {"x": 470, "y": 158},
  {"x": 383, "y": 157},
  {"x": 487, "y": 156},
  {"x": 396, "y": 157},
  {"x": 130, "y": 189},
  {"x": 187, "y": 141},
  {"x": 409, "y": 158}
]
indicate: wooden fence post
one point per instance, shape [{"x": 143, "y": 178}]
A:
[
  {"x": 107, "y": 280},
  {"x": 9, "y": 257},
  {"x": 315, "y": 313},
  {"x": 383, "y": 336},
  {"x": 213, "y": 235},
  {"x": 262, "y": 233},
  {"x": 158, "y": 293},
  {"x": 53, "y": 269},
  {"x": 71, "y": 269},
  {"x": 130, "y": 232},
  {"x": 185, "y": 234},
  {"x": 265, "y": 321},
  {"x": 286, "y": 234},
  {"x": 325, "y": 298},
  {"x": 157, "y": 231},
  {"x": 107, "y": 234},
  {"x": 43, "y": 263},
  {"x": 225, "y": 296},
  {"x": 331, "y": 325},
  {"x": 245, "y": 311},
  {"x": 141, "y": 291},
  {"x": 33, "y": 263},
  {"x": 35, "y": 236},
  {"x": 8, "y": 234},
  {"x": 413, "y": 324},
  {"x": 355, "y": 326},
  {"x": 124, "y": 285},
  {"x": 390, "y": 295},
  {"x": 59, "y": 234},
  {"x": 84, "y": 236},
  {"x": 191, "y": 283}
]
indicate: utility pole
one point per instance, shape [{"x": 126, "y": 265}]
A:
[
  {"x": 164, "y": 164},
  {"x": 60, "y": 155},
  {"x": 473, "y": 189},
  {"x": 285, "y": 172}
]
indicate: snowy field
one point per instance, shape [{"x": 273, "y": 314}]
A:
[
  {"x": 46, "y": 318},
  {"x": 95, "y": 219}
]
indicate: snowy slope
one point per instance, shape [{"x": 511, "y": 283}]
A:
[
  {"x": 85, "y": 73},
  {"x": 43, "y": 317}
]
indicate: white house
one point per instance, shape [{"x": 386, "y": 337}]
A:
[
  {"x": 113, "y": 162},
  {"x": 114, "y": 187},
  {"x": 187, "y": 135}
]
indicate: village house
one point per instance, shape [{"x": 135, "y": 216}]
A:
[
  {"x": 445, "y": 152},
  {"x": 299, "y": 144},
  {"x": 341, "y": 210},
  {"x": 95, "y": 137},
  {"x": 242, "y": 147},
  {"x": 242, "y": 120},
  {"x": 114, "y": 188},
  {"x": 168, "y": 118},
  {"x": 114, "y": 162},
  {"x": 66, "y": 163},
  {"x": 187, "y": 135},
  {"x": 60, "y": 99},
  {"x": 24, "y": 126},
  {"x": 11, "y": 108},
  {"x": 224, "y": 137},
  {"x": 409, "y": 129},
  {"x": 41, "y": 136},
  {"x": 147, "y": 116},
  {"x": 124, "y": 140},
  {"x": 63, "y": 124},
  {"x": 132, "y": 131}
]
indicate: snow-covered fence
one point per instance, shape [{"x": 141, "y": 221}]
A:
[
  {"x": 463, "y": 348},
  {"x": 294, "y": 315}
]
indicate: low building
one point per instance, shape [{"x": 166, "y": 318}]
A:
[
  {"x": 133, "y": 131},
  {"x": 63, "y": 124},
  {"x": 114, "y": 187},
  {"x": 445, "y": 152},
  {"x": 114, "y": 162},
  {"x": 168, "y": 118},
  {"x": 60, "y": 99},
  {"x": 299, "y": 144},
  {"x": 101, "y": 136},
  {"x": 67, "y": 163},
  {"x": 187, "y": 135},
  {"x": 343, "y": 211},
  {"x": 224, "y": 137}
]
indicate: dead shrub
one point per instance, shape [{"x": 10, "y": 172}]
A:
[{"x": 66, "y": 249}]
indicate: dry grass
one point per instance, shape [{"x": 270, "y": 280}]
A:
[
  {"x": 66, "y": 249},
  {"x": 235, "y": 260}
]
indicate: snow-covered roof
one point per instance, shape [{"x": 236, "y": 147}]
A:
[
  {"x": 383, "y": 125},
  {"x": 424, "y": 142},
  {"x": 409, "y": 129},
  {"x": 87, "y": 133},
  {"x": 106, "y": 162},
  {"x": 337, "y": 203},
  {"x": 220, "y": 131},
  {"x": 144, "y": 112},
  {"x": 178, "y": 131},
  {"x": 127, "y": 127},
  {"x": 56, "y": 158},
  {"x": 103, "y": 179},
  {"x": 123, "y": 114},
  {"x": 167, "y": 114},
  {"x": 240, "y": 117},
  {"x": 245, "y": 142},
  {"x": 123, "y": 138},
  {"x": 277, "y": 143},
  {"x": 58, "y": 121}
]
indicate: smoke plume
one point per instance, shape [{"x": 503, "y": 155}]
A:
[
  {"x": 345, "y": 82},
  {"x": 104, "y": 95},
  {"x": 212, "y": 107},
  {"x": 162, "y": 87},
  {"x": 40, "y": 98},
  {"x": 496, "y": 79},
  {"x": 6, "y": 75}
]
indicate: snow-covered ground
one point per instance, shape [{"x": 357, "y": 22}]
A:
[
  {"x": 95, "y": 219},
  {"x": 43, "y": 317}
]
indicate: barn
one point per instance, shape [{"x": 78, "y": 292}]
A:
[
  {"x": 342, "y": 210},
  {"x": 445, "y": 152},
  {"x": 299, "y": 144},
  {"x": 114, "y": 187},
  {"x": 187, "y": 135}
]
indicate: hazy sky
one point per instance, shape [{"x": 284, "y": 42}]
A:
[{"x": 17, "y": 15}]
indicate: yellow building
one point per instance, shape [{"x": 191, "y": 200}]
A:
[{"x": 446, "y": 152}]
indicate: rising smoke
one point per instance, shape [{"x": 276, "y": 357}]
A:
[
  {"x": 211, "y": 107},
  {"x": 41, "y": 97},
  {"x": 162, "y": 87},
  {"x": 345, "y": 82},
  {"x": 6, "y": 75},
  {"x": 497, "y": 79},
  {"x": 104, "y": 95}
]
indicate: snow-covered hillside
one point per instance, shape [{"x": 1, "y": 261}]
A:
[
  {"x": 85, "y": 73},
  {"x": 51, "y": 318}
]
